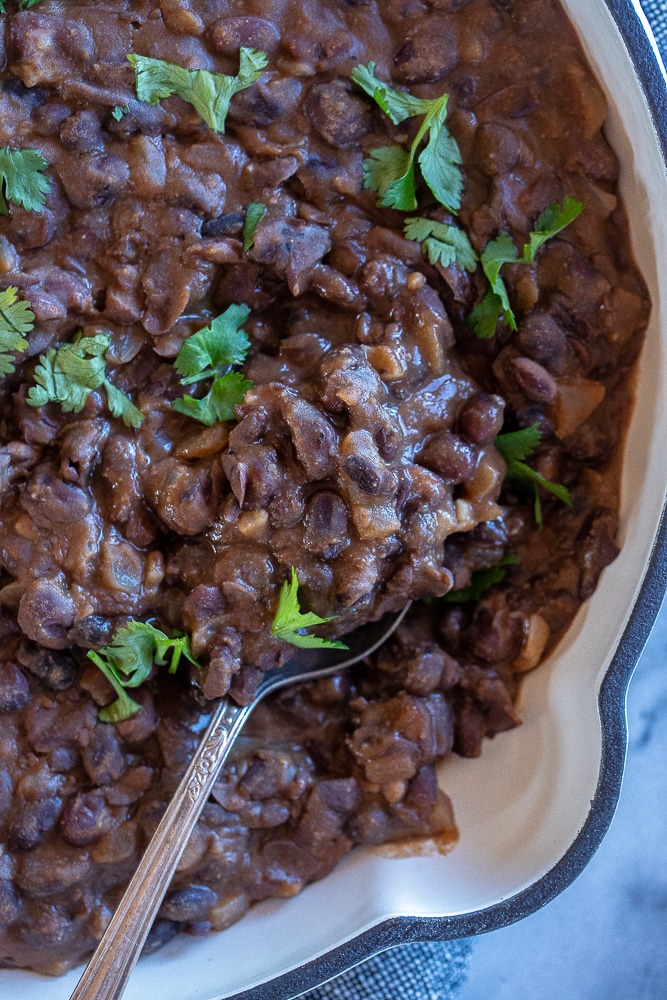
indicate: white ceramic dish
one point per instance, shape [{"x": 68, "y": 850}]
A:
[{"x": 534, "y": 808}]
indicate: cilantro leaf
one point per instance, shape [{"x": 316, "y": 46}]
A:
[
  {"x": 128, "y": 660},
  {"x": 119, "y": 112},
  {"x": 496, "y": 299},
  {"x": 390, "y": 170},
  {"x": 255, "y": 212},
  {"x": 442, "y": 243},
  {"x": 209, "y": 93},
  {"x": 481, "y": 581},
  {"x": 396, "y": 104},
  {"x": 440, "y": 160},
  {"x": 551, "y": 222},
  {"x": 67, "y": 375},
  {"x": 23, "y": 181},
  {"x": 16, "y": 319},
  {"x": 484, "y": 317},
  {"x": 289, "y": 621},
  {"x": 496, "y": 253},
  {"x": 516, "y": 446},
  {"x": 215, "y": 348},
  {"x": 227, "y": 392},
  {"x": 122, "y": 406},
  {"x": 211, "y": 353},
  {"x": 486, "y": 314}
]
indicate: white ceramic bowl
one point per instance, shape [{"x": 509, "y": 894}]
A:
[{"x": 533, "y": 809}]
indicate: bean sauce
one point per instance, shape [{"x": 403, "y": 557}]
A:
[{"x": 366, "y": 454}]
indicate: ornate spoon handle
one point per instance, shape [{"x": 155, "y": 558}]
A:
[{"x": 109, "y": 969}]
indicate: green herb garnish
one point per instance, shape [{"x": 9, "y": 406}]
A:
[
  {"x": 16, "y": 319},
  {"x": 209, "y": 93},
  {"x": 23, "y": 180},
  {"x": 390, "y": 170},
  {"x": 289, "y": 622},
  {"x": 22, "y": 5},
  {"x": 119, "y": 112},
  {"x": 128, "y": 661},
  {"x": 516, "y": 446},
  {"x": 442, "y": 243},
  {"x": 481, "y": 581},
  {"x": 495, "y": 302},
  {"x": 67, "y": 375},
  {"x": 551, "y": 222},
  {"x": 211, "y": 353},
  {"x": 254, "y": 214}
]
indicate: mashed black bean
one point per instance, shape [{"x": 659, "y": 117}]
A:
[{"x": 364, "y": 455}]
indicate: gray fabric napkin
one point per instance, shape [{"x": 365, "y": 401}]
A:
[{"x": 436, "y": 970}]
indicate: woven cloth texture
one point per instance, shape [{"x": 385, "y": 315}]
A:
[
  {"x": 437, "y": 970},
  {"x": 656, "y": 12}
]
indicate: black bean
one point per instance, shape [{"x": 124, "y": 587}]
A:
[
  {"x": 56, "y": 670},
  {"x": 30, "y": 97},
  {"x": 338, "y": 115},
  {"x": 48, "y": 500},
  {"x": 10, "y": 906},
  {"x": 534, "y": 380},
  {"x": 160, "y": 934},
  {"x": 85, "y": 819},
  {"x": 482, "y": 418},
  {"x": 32, "y": 821},
  {"x": 450, "y": 456},
  {"x": 82, "y": 132},
  {"x": 254, "y": 475},
  {"x": 184, "y": 496},
  {"x": 426, "y": 56},
  {"x": 225, "y": 225},
  {"x": 266, "y": 101},
  {"x": 189, "y": 905},
  {"x": 325, "y": 522},
  {"x": 597, "y": 548},
  {"x": 149, "y": 119},
  {"x": 368, "y": 477},
  {"x": 94, "y": 181},
  {"x": 102, "y": 758},
  {"x": 92, "y": 632},
  {"x": 230, "y": 33},
  {"x": 497, "y": 147},
  {"x": 14, "y": 690},
  {"x": 543, "y": 339}
]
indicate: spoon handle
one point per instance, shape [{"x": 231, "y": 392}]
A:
[{"x": 109, "y": 969}]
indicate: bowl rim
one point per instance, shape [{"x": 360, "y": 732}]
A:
[{"x": 640, "y": 43}]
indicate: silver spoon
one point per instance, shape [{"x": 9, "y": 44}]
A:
[{"x": 108, "y": 971}]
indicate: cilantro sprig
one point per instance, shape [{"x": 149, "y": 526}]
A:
[
  {"x": 120, "y": 111},
  {"x": 22, "y": 178},
  {"x": 128, "y": 660},
  {"x": 481, "y": 581},
  {"x": 211, "y": 353},
  {"x": 515, "y": 447},
  {"x": 496, "y": 303},
  {"x": 16, "y": 319},
  {"x": 442, "y": 243},
  {"x": 391, "y": 170},
  {"x": 209, "y": 93},
  {"x": 290, "y": 622},
  {"x": 67, "y": 375}
]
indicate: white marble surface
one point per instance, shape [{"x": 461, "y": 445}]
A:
[{"x": 605, "y": 937}]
